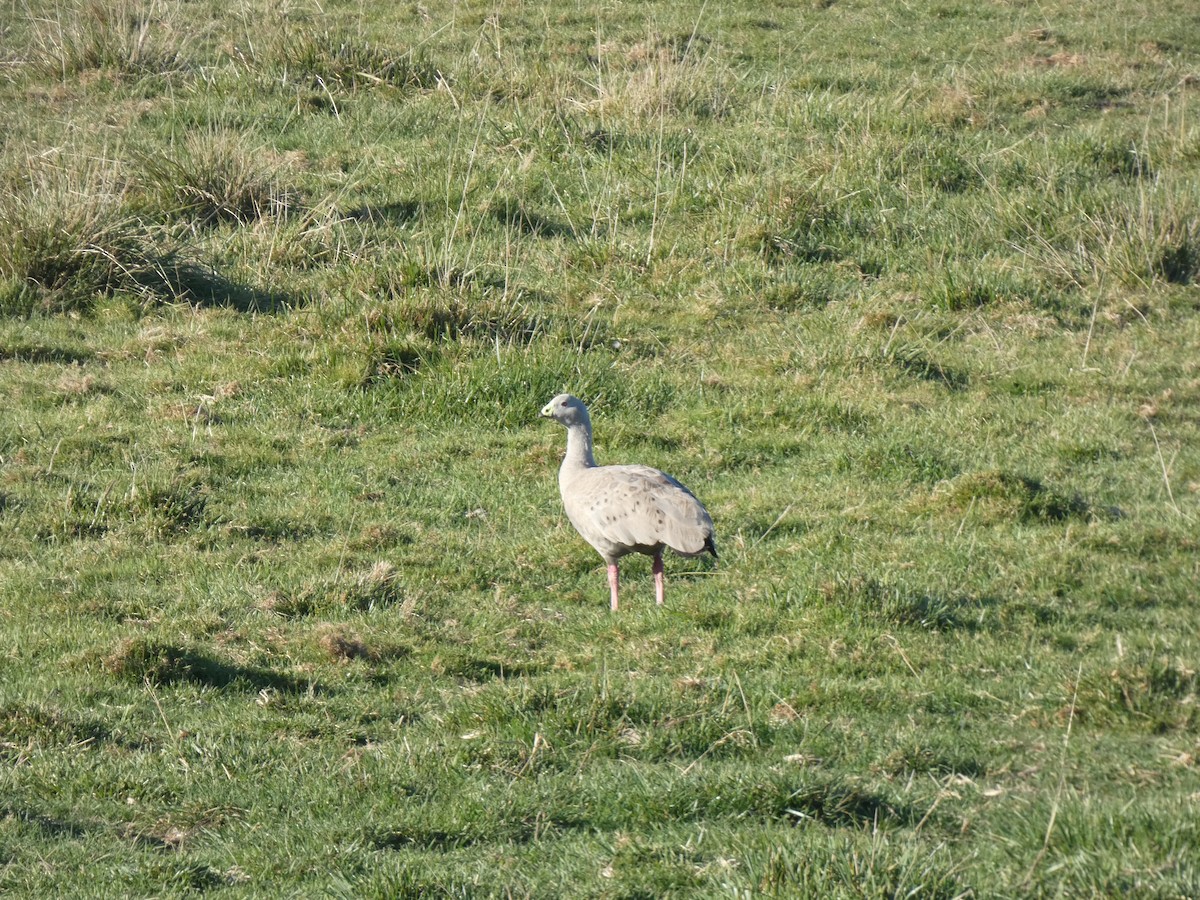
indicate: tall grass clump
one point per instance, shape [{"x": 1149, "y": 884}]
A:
[
  {"x": 215, "y": 176},
  {"x": 1163, "y": 237},
  {"x": 680, "y": 75},
  {"x": 68, "y": 237},
  {"x": 127, "y": 38},
  {"x": 331, "y": 60},
  {"x": 1134, "y": 238}
]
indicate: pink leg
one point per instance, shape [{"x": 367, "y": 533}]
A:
[
  {"x": 613, "y": 578},
  {"x": 658, "y": 579}
]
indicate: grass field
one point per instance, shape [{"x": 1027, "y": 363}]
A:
[{"x": 906, "y": 293}]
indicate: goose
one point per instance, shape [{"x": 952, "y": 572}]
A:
[{"x": 625, "y": 509}]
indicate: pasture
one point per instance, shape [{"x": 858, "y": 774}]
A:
[{"x": 906, "y": 293}]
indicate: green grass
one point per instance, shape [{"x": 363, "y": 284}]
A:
[{"x": 907, "y": 296}]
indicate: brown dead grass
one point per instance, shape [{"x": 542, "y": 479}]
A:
[{"x": 343, "y": 645}]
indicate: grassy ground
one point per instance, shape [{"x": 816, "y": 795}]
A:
[{"x": 906, "y": 293}]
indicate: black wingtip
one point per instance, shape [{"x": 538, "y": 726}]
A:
[{"x": 711, "y": 546}]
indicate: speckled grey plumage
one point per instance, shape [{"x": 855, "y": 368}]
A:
[{"x": 625, "y": 509}]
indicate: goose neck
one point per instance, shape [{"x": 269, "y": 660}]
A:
[{"x": 579, "y": 448}]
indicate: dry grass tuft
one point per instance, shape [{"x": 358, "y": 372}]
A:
[
  {"x": 664, "y": 76},
  {"x": 381, "y": 576},
  {"x": 343, "y": 645},
  {"x": 74, "y": 381}
]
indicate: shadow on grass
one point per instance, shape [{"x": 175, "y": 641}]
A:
[
  {"x": 202, "y": 286},
  {"x": 837, "y": 806},
  {"x": 48, "y": 825},
  {"x": 515, "y": 215},
  {"x": 917, "y": 364},
  {"x": 25, "y": 725},
  {"x": 891, "y": 604},
  {"x": 480, "y": 669},
  {"x": 57, "y": 829},
  {"x": 166, "y": 279},
  {"x": 440, "y": 839},
  {"x": 998, "y": 494},
  {"x": 1179, "y": 263},
  {"x": 475, "y": 827},
  {"x": 589, "y": 808},
  {"x": 39, "y": 353},
  {"x": 398, "y": 213},
  {"x": 161, "y": 664}
]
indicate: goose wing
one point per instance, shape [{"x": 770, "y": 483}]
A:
[{"x": 625, "y": 509}]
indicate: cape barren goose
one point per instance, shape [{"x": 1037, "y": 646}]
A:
[{"x": 625, "y": 509}]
